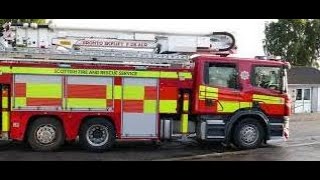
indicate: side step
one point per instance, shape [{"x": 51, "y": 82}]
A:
[{"x": 212, "y": 130}]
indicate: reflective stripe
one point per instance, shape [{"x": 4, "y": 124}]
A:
[
  {"x": 184, "y": 116},
  {"x": 5, "y": 69},
  {"x": 86, "y": 103},
  {"x": 268, "y": 99},
  {"x": 150, "y": 74},
  {"x": 168, "y": 106},
  {"x": 109, "y": 96},
  {"x": 44, "y": 90},
  {"x": 208, "y": 93},
  {"x": 139, "y": 81},
  {"x": 109, "y": 92},
  {"x": 228, "y": 106},
  {"x": 208, "y": 97},
  {"x": 133, "y": 92},
  {"x": 212, "y": 90},
  {"x": 245, "y": 104},
  {"x": 168, "y": 74},
  {"x": 184, "y": 123},
  {"x": 186, "y": 75},
  {"x": 211, "y": 95},
  {"x": 117, "y": 92},
  {"x": 29, "y": 70},
  {"x": 93, "y": 72},
  {"x": 186, "y": 105},
  {"x": 202, "y": 88},
  {"x": 5, "y": 103},
  {"x": 5, "y": 121},
  {"x": 150, "y": 106},
  {"x": 20, "y": 102}
]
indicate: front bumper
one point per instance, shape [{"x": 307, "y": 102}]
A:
[
  {"x": 279, "y": 131},
  {"x": 286, "y": 131}
]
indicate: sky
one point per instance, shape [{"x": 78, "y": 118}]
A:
[{"x": 249, "y": 33}]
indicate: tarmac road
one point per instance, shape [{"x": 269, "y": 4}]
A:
[{"x": 304, "y": 144}]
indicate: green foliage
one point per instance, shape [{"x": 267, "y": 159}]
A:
[
  {"x": 296, "y": 40},
  {"x": 38, "y": 21}
]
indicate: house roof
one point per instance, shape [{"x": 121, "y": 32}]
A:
[{"x": 303, "y": 75}]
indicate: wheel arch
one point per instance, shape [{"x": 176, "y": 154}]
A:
[
  {"x": 240, "y": 115},
  {"x": 107, "y": 118},
  {"x": 35, "y": 117}
]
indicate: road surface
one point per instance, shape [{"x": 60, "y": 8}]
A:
[{"x": 304, "y": 144}]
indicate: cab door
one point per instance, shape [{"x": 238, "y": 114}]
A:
[{"x": 219, "y": 93}]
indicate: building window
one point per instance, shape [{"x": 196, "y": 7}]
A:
[
  {"x": 299, "y": 94},
  {"x": 307, "y": 94}
]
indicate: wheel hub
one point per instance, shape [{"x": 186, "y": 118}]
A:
[
  {"x": 46, "y": 134},
  {"x": 97, "y": 135},
  {"x": 249, "y": 134}
]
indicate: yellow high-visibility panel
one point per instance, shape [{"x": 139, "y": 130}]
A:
[{"x": 35, "y": 90}]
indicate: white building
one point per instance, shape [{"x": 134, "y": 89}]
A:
[{"x": 304, "y": 89}]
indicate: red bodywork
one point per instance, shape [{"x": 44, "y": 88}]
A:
[
  {"x": 72, "y": 120},
  {"x": 247, "y": 90}
]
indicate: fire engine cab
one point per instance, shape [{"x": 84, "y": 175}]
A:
[{"x": 103, "y": 86}]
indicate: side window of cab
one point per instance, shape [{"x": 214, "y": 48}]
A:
[{"x": 222, "y": 75}]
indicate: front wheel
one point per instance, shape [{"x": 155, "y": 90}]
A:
[
  {"x": 97, "y": 135},
  {"x": 248, "y": 134}
]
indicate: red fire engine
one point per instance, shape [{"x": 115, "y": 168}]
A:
[{"x": 97, "y": 90}]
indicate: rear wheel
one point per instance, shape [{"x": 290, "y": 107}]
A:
[
  {"x": 45, "y": 134},
  {"x": 97, "y": 135},
  {"x": 248, "y": 134}
]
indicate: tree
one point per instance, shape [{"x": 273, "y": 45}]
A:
[
  {"x": 296, "y": 40},
  {"x": 38, "y": 21}
]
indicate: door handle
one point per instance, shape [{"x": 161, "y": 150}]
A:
[{"x": 209, "y": 102}]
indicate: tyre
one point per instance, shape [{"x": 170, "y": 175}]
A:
[
  {"x": 248, "y": 134},
  {"x": 45, "y": 134},
  {"x": 97, "y": 135}
]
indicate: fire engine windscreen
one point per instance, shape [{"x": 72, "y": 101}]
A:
[{"x": 268, "y": 78}]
